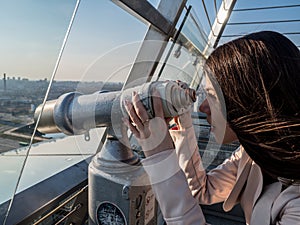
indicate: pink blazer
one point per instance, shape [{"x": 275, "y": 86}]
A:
[{"x": 237, "y": 180}]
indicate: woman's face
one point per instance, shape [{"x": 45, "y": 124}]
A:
[{"x": 211, "y": 106}]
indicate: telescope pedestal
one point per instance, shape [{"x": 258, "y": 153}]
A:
[{"x": 119, "y": 190}]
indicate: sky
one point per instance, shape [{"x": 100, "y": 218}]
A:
[
  {"x": 103, "y": 40},
  {"x": 31, "y": 33}
]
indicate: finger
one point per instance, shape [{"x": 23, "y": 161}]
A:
[
  {"x": 157, "y": 104},
  {"x": 132, "y": 114},
  {"x": 131, "y": 127},
  {"x": 139, "y": 108}
]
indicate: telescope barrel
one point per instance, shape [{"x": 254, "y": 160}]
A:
[{"x": 76, "y": 113}]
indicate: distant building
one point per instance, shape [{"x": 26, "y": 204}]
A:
[{"x": 4, "y": 81}]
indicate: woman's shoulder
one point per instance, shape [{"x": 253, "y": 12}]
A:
[{"x": 287, "y": 205}]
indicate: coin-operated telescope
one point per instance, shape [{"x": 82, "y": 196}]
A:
[{"x": 119, "y": 189}]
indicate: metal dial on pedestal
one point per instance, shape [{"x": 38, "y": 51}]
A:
[{"x": 110, "y": 214}]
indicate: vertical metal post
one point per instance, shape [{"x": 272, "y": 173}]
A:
[{"x": 219, "y": 25}]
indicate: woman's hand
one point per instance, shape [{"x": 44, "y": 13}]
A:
[
  {"x": 184, "y": 121},
  {"x": 153, "y": 135}
]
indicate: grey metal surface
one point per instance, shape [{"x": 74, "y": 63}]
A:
[
  {"x": 74, "y": 113},
  {"x": 148, "y": 12},
  {"x": 119, "y": 188}
]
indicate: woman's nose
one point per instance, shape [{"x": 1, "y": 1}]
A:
[{"x": 204, "y": 107}]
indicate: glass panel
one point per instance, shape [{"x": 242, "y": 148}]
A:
[
  {"x": 197, "y": 30},
  {"x": 99, "y": 53},
  {"x": 185, "y": 63},
  {"x": 47, "y": 158},
  {"x": 205, "y": 12},
  {"x": 154, "y": 2},
  {"x": 183, "y": 60},
  {"x": 182, "y": 65},
  {"x": 102, "y": 41},
  {"x": 31, "y": 37},
  {"x": 290, "y": 29},
  {"x": 194, "y": 32}
]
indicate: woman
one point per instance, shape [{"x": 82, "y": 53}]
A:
[{"x": 252, "y": 95}]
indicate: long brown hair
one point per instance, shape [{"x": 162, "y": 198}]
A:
[{"x": 259, "y": 75}]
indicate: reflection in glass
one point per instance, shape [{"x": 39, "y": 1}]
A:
[
  {"x": 194, "y": 32},
  {"x": 98, "y": 55},
  {"x": 184, "y": 60},
  {"x": 31, "y": 36}
]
